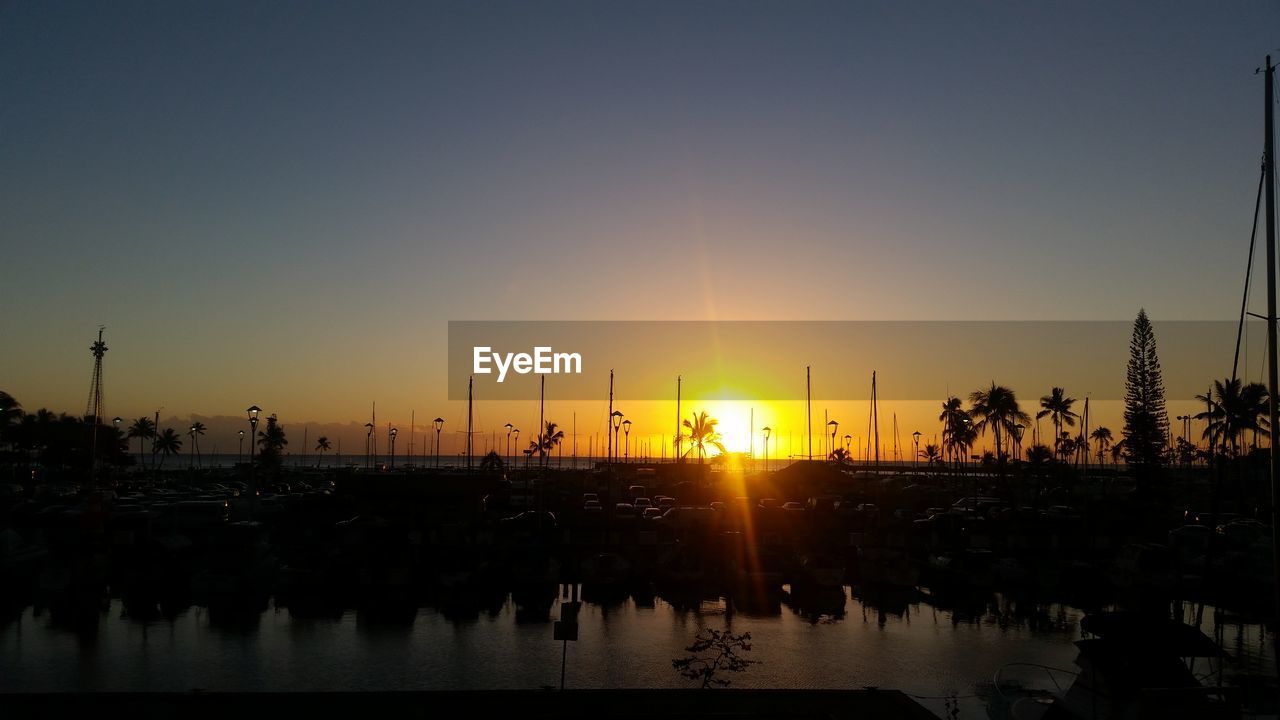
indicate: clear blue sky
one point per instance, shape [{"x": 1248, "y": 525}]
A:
[{"x": 288, "y": 200}]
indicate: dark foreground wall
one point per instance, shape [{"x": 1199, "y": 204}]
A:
[{"x": 526, "y": 705}]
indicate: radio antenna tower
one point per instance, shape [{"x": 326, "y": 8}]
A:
[{"x": 94, "y": 409}]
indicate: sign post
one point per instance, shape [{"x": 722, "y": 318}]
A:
[{"x": 566, "y": 629}]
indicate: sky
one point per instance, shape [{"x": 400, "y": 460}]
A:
[{"x": 284, "y": 203}]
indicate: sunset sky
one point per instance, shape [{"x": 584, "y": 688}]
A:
[{"x": 284, "y": 203}]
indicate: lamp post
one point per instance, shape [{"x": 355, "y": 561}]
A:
[
  {"x": 253, "y": 434},
  {"x": 1186, "y": 428},
  {"x": 835, "y": 427},
  {"x": 509, "y": 428},
  {"x": 368, "y": 445},
  {"x": 515, "y": 444},
  {"x": 626, "y": 441},
  {"x": 392, "y": 462},
  {"x": 616, "y": 421},
  {"x": 191, "y": 451},
  {"x": 915, "y": 459},
  {"x": 115, "y": 422},
  {"x": 438, "y": 424},
  {"x": 767, "y": 431},
  {"x": 240, "y": 449},
  {"x": 1017, "y": 436},
  {"x": 154, "y": 448},
  {"x": 848, "y": 443}
]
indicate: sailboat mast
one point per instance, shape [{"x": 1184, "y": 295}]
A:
[
  {"x": 875, "y": 414},
  {"x": 470, "y": 382},
  {"x": 1269, "y": 161},
  {"x": 608, "y": 427},
  {"x": 808, "y": 408},
  {"x": 543, "y": 450},
  {"x": 1084, "y": 447},
  {"x": 679, "y": 435},
  {"x": 896, "y": 454}
]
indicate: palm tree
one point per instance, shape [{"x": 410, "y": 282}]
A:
[
  {"x": 550, "y": 439},
  {"x": 10, "y": 410},
  {"x": 1102, "y": 436},
  {"x": 271, "y": 443},
  {"x": 931, "y": 454},
  {"x": 143, "y": 429},
  {"x": 1064, "y": 445},
  {"x": 1185, "y": 451},
  {"x": 321, "y": 446},
  {"x": 1233, "y": 409},
  {"x": 1256, "y": 402},
  {"x": 197, "y": 429},
  {"x": 167, "y": 443},
  {"x": 997, "y": 408},
  {"x": 702, "y": 432},
  {"x": 1057, "y": 407},
  {"x": 1117, "y": 451},
  {"x": 840, "y": 456},
  {"x": 962, "y": 440},
  {"x": 955, "y": 424},
  {"x": 1039, "y": 456},
  {"x": 1080, "y": 447}
]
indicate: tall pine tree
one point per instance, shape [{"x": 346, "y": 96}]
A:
[{"x": 1146, "y": 424}]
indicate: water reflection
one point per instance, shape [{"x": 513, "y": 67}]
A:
[{"x": 476, "y": 636}]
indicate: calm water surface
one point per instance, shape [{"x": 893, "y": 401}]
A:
[{"x": 916, "y": 648}]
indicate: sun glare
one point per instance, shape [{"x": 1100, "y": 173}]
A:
[{"x": 734, "y": 426}]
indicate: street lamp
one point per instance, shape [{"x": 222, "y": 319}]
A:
[
  {"x": 915, "y": 459},
  {"x": 392, "y": 463},
  {"x": 848, "y": 443},
  {"x": 626, "y": 446},
  {"x": 368, "y": 445},
  {"x": 767, "y": 430},
  {"x": 438, "y": 424},
  {"x": 835, "y": 427},
  {"x": 253, "y": 412},
  {"x": 1017, "y": 435},
  {"x": 509, "y": 428},
  {"x": 191, "y": 451},
  {"x": 115, "y": 422},
  {"x": 616, "y": 421},
  {"x": 240, "y": 449}
]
